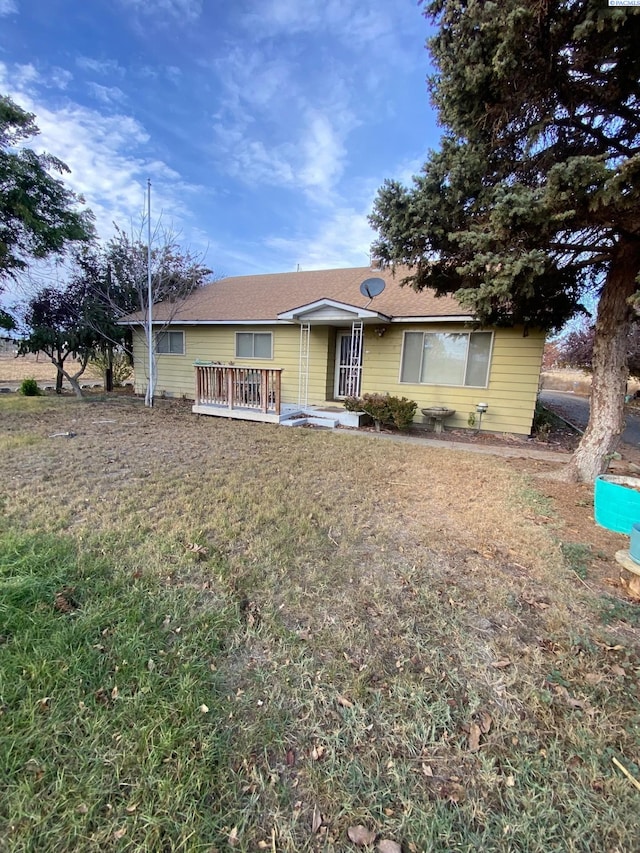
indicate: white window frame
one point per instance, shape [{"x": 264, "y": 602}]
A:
[
  {"x": 168, "y": 333},
  {"x": 443, "y": 384},
  {"x": 254, "y": 357}
]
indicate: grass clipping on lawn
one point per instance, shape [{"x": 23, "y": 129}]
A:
[{"x": 220, "y": 635}]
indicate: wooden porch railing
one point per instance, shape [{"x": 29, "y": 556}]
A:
[{"x": 239, "y": 387}]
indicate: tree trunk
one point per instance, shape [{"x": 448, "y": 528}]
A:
[
  {"x": 75, "y": 385},
  {"x": 108, "y": 373},
  {"x": 59, "y": 375},
  {"x": 610, "y": 372}
]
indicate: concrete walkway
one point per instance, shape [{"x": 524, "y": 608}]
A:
[
  {"x": 522, "y": 451},
  {"x": 575, "y": 409}
]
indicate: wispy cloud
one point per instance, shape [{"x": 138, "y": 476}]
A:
[
  {"x": 59, "y": 78},
  {"x": 267, "y": 130},
  {"x": 24, "y": 75},
  {"x": 343, "y": 239},
  {"x": 173, "y": 73},
  {"x": 376, "y": 34},
  {"x": 323, "y": 153},
  {"x": 100, "y": 66},
  {"x": 108, "y": 95},
  {"x": 177, "y": 10},
  {"x": 312, "y": 162},
  {"x": 108, "y": 154},
  {"x": 8, "y": 7},
  {"x": 277, "y": 17}
]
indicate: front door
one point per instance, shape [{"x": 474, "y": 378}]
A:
[{"x": 348, "y": 365}]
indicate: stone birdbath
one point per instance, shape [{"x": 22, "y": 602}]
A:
[{"x": 438, "y": 414}]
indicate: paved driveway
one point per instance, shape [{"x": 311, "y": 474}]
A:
[{"x": 575, "y": 409}]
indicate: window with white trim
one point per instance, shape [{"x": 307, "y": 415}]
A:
[
  {"x": 446, "y": 358},
  {"x": 170, "y": 343},
  {"x": 254, "y": 345}
]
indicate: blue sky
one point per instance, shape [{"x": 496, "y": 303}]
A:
[{"x": 265, "y": 126}]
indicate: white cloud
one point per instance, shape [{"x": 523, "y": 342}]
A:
[
  {"x": 8, "y": 7},
  {"x": 100, "y": 66},
  {"x": 108, "y": 156},
  {"x": 337, "y": 234},
  {"x": 342, "y": 239},
  {"x": 170, "y": 72},
  {"x": 108, "y": 95},
  {"x": 269, "y": 131},
  {"x": 173, "y": 73},
  {"x": 252, "y": 79},
  {"x": 312, "y": 162},
  {"x": 377, "y": 33},
  {"x": 178, "y": 10},
  {"x": 252, "y": 161},
  {"x": 323, "y": 154},
  {"x": 24, "y": 75},
  {"x": 59, "y": 78},
  {"x": 277, "y": 17}
]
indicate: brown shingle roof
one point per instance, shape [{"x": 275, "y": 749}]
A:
[{"x": 263, "y": 297}]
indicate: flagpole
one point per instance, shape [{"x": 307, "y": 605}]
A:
[{"x": 149, "y": 299}]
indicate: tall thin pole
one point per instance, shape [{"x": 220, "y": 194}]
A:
[{"x": 149, "y": 299}]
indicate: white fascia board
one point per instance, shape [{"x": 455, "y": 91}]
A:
[
  {"x": 178, "y": 322},
  {"x": 448, "y": 318},
  {"x": 309, "y": 308}
]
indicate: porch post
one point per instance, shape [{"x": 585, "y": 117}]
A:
[
  {"x": 355, "y": 359},
  {"x": 303, "y": 366}
]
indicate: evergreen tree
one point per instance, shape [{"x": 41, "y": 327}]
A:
[
  {"x": 533, "y": 198},
  {"x": 38, "y": 214}
]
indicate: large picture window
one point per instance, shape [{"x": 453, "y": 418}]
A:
[
  {"x": 170, "y": 343},
  {"x": 254, "y": 345},
  {"x": 446, "y": 358}
]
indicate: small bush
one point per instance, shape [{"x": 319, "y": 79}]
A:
[
  {"x": 120, "y": 364},
  {"x": 29, "y": 387},
  {"x": 384, "y": 409},
  {"x": 353, "y": 404},
  {"x": 402, "y": 411},
  {"x": 376, "y": 406}
]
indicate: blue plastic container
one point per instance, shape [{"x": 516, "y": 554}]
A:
[
  {"x": 634, "y": 545},
  {"x": 616, "y": 502}
]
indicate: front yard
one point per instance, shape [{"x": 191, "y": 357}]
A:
[{"x": 230, "y": 636}]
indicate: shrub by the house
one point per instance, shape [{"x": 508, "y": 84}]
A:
[{"x": 384, "y": 409}]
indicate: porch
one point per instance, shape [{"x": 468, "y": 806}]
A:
[
  {"x": 245, "y": 393},
  {"x": 255, "y": 394}
]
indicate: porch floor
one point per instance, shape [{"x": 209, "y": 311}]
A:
[
  {"x": 242, "y": 413},
  {"x": 319, "y": 415}
]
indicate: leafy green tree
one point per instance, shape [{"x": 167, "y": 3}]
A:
[
  {"x": 532, "y": 201},
  {"x": 62, "y": 324},
  {"x": 38, "y": 214}
]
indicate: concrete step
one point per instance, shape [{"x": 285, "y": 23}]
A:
[
  {"x": 322, "y": 421},
  {"x": 312, "y": 420},
  {"x": 297, "y": 420}
]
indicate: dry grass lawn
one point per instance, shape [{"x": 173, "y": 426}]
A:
[
  {"x": 249, "y": 637},
  {"x": 14, "y": 369},
  {"x": 576, "y": 381}
]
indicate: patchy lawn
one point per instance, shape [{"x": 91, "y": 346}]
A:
[{"x": 219, "y": 635}]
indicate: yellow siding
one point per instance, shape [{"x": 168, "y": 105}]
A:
[
  {"x": 511, "y": 392},
  {"x": 513, "y": 377},
  {"x": 176, "y": 376}
]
